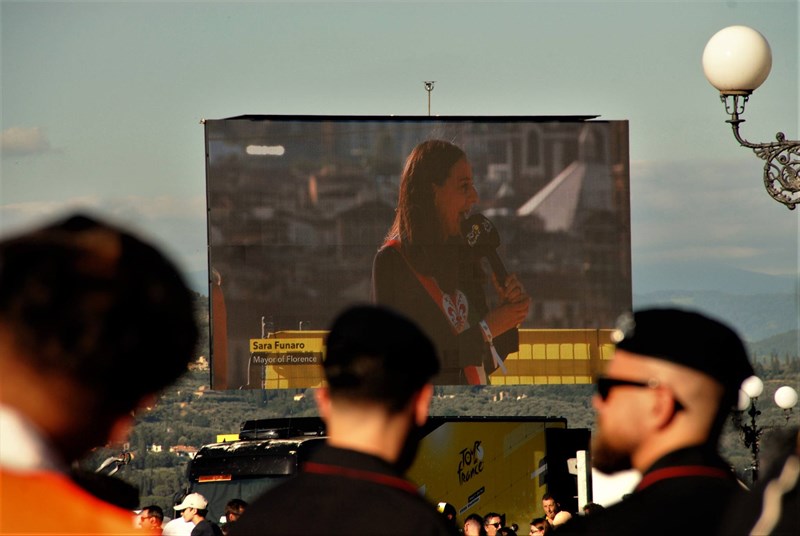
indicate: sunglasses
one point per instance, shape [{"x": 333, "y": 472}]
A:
[
  {"x": 496, "y": 524},
  {"x": 605, "y": 384}
]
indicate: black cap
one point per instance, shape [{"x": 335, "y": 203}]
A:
[
  {"x": 687, "y": 338},
  {"x": 446, "y": 509}
]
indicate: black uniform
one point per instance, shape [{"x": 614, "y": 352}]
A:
[
  {"x": 687, "y": 491},
  {"x": 342, "y": 492}
]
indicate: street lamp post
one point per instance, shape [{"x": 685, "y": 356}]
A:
[
  {"x": 785, "y": 398},
  {"x": 429, "y": 88},
  {"x": 736, "y": 61}
]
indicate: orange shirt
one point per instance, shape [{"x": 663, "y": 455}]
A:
[{"x": 44, "y": 502}]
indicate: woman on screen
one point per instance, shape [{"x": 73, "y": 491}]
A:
[{"x": 425, "y": 269}]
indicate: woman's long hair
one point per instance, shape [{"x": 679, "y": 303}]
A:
[{"x": 416, "y": 223}]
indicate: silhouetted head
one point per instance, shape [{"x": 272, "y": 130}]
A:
[
  {"x": 89, "y": 303},
  {"x": 376, "y": 355}
]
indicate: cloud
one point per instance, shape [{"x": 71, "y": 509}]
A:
[
  {"x": 176, "y": 224},
  {"x": 23, "y": 141},
  {"x": 694, "y": 211}
]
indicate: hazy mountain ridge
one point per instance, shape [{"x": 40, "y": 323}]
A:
[
  {"x": 708, "y": 275},
  {"x": 755, "y": 316},
  {"x": 780, "y": 345}
]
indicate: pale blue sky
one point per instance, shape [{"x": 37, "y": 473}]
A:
[{"x": 102, "y": 102}]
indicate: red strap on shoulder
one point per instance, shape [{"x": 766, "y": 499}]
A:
[
  {"x": 678, "y": 472},
  {"x": 475, "y": 375},
  {"x": 360, "y": 474}
]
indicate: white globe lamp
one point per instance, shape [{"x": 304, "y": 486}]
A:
[
  {"x": 737, "y": 60},
  {"x": 744, "y": 401},
  {"x": 753, "y": 386},
  {"x": 786, "y": 397}
]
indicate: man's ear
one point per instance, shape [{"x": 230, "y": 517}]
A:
[
  {"x": 323, "y": 399},
  {"x": 665, "y": 407},
  {"x": 422, "y": 404}
]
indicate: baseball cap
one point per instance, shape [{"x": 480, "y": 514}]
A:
[
  {"x": 687, "y": 338},
  {"x": 193, "y": 500}
]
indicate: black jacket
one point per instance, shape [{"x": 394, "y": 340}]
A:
[
  {"x": 394, "y": 284},
  {"x": 342, "y": 492},
  {"x": 685, "y": 492}
]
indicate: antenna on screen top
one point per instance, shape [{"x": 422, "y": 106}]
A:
[{"x": 429, "y": 88}]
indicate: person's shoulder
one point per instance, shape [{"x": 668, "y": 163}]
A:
[
  {"x": 177, "y": 527},
  {"x": 389, "y": 250},
  {"x": 561, "y": 517},
  {"x": 389, "y": 261},
  {"x": 206, "y": 528},
  {"x": 71, "y": 509}
]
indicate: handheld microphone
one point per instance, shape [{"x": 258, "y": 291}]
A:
[{"x": 483, "y": 238}]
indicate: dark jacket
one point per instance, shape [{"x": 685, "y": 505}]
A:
[
  {"x": 342, "y": 492},
  {"x": 206, "y": 528},
  {"x": 394, "y": 284},
  {"x": 687, "y": 491}
]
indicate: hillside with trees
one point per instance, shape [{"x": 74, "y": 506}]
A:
[{"x": 191, "y": 415}]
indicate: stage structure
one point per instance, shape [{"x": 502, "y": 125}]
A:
[{"x": 299, "y": 205}]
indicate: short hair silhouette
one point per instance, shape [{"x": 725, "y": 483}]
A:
[
  {"x": 377, "y": 355},
  {"x": 97, "y": 305}
]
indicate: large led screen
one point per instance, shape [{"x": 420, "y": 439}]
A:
[{"x": 300, "y": 206}]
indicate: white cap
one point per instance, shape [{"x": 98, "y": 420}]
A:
[{"x": 193, "y": 500}]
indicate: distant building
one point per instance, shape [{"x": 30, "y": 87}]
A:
[{"x": 184, "y": 451}]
